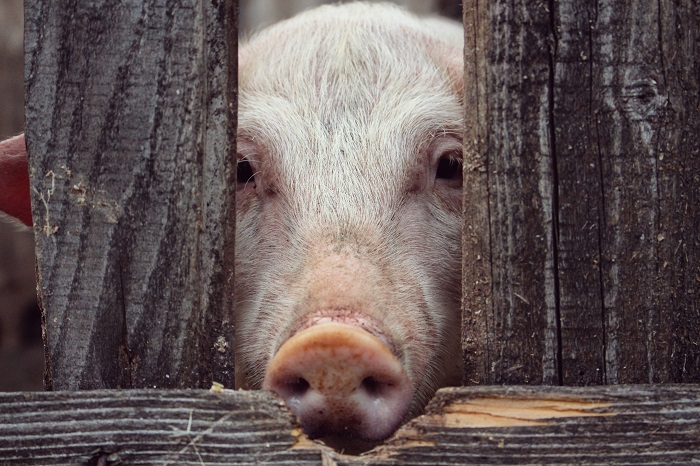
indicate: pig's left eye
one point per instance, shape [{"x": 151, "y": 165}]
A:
[
  {"x": 449, "y": 170},
  {"x": 244, "y": 174}
]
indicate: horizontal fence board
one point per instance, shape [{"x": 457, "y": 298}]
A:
[
  {"x": 176, "y": 427},
  {"x": 602, "y": 425},
  {"x": 635, "y": 424}
]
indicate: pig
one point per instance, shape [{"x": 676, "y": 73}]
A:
[
  {"x": 349, "y": 188},
  {"x": 349, "y": 215}
]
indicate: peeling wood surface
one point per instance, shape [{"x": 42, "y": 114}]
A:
[
  {"x": 582, "y": 175},
  {"x": 655, "y": 424},
  {"x": 130, "y": 126},
  {"x": 563, "y": 425}
]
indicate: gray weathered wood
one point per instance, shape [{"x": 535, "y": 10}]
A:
[
  {"x": 628, "y": 244},
  {"x": 479, "y": 425},
  {"x": 563, "y": 425},
  {"x": 509, "y": 170},
  {"x": 582, "y": 150},
  {"x": 130, "y": 129},
  {"x": 477, "y": 306},
  {"x": 174, "y": 427}
]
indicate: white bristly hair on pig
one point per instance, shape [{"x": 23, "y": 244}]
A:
[{"x": 341, "y": 112}]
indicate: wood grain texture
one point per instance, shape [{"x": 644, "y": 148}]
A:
[
  {"x": 130, "y": 130},
  {"x": 176, "y": 427},
  {"x": 508, "y": 73},
  {"x": 675, "y": 343},
  {"x": 580, "y": 200},
  {"x": 655, "y": 424},
  {"x": 477, "y": 306},
  {"x": 595, "y": 425},
  {"x": 626, "y": 82},
  {"x": 586, "y": 118}
]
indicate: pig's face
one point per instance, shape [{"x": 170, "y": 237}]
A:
[{"x": 349, "y": 216}]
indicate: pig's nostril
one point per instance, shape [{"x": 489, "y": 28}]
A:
[
  {"x": 340, "y": 380},
  {"x": 374, "y": 386},
  {"x": 298, "y": 386}
]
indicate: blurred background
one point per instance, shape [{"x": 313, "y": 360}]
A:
[
  {"x": 21, "y": 352},
  {"x": 256, "y": 14}
]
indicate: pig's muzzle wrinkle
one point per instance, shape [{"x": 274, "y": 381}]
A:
[{"x": 339, "y": 379}]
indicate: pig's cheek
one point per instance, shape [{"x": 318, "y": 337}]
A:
[
  {"x": 249, "y": 272},
  {"x": 264, "y": 297},
  {"x": 246, "y": 201},
  {"x": 429, "y": 239},
  {"x": 449, "y": 200}
]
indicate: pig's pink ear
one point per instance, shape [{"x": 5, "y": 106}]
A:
[
  {"x": 447, "y": 49},
  {"x": 453, "y": 59},
  {"x": 14, "y": 180},
  {"x": 246, "y": 55}
]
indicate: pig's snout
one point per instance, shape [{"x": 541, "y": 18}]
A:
[{"x": 339, "y": 379}]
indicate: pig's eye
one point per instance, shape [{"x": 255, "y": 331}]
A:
[
  {"x": 244, "y": 174},
  {"x": 449, "y": 170}
]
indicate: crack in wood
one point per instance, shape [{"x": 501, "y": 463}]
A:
[{"x": 499, "y": 412}]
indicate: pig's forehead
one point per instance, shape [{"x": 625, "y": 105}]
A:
[
  {"x": 328, "y": 48},
  {"x": 355, "y": 82}
]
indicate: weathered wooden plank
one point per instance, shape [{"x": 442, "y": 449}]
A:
[
  {"x": 477, "y": 319},
  {"x": 521, "y": 425},
  {"x": 649, "y": 162},
  {"x": 656, "y": 424},
  {"x": 147, "y": 427},
  {"x": 674, "y": 341},
  {"x": 510, "y": 129},
  {"x": 583, "y": 117},
  {"x": 130, "y": 123},
  {"x": 579, "y": 178}
]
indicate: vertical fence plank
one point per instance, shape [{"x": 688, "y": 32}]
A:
[
  {"x": 477, "y": 317},
  {"x": 586, "y": 117},
  {"x": 579, "y": 178},
  {"x": 130, "y": 129},
  {"x": 627, "y": 308},
  {"x": 511, "y": 125},
  {"x": 675, "y": 343},
  {"x": 647, "y": 86}
]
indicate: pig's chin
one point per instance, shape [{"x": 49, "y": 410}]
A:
[{"x": 341, "y": 379}]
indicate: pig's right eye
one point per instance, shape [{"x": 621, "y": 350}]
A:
[
  {"x": 244, "y": 174},
  {"x": 448, "y": 168}
]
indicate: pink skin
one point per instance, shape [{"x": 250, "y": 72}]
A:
[
  {"x": 349, "y": 217},
  {"x": 339, "y": 379},
  {"x": 14, "y": 180}
]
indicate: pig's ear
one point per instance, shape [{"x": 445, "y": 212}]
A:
[
  {"x": 449, "y": 51},
  {"x": 14, "y": 180},
  {"x": 246, "y": 55},
  {"x": 455, "y": 70}
]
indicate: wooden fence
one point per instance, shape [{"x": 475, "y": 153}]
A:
[
  {"x": 622, "y": 424},
  {"x": 581, "y": 240}
]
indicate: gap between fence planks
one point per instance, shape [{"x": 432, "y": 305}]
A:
[{"x": 637, "y": 424}]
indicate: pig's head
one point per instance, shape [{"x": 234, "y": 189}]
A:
[{"x": 349, "y": 216}]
